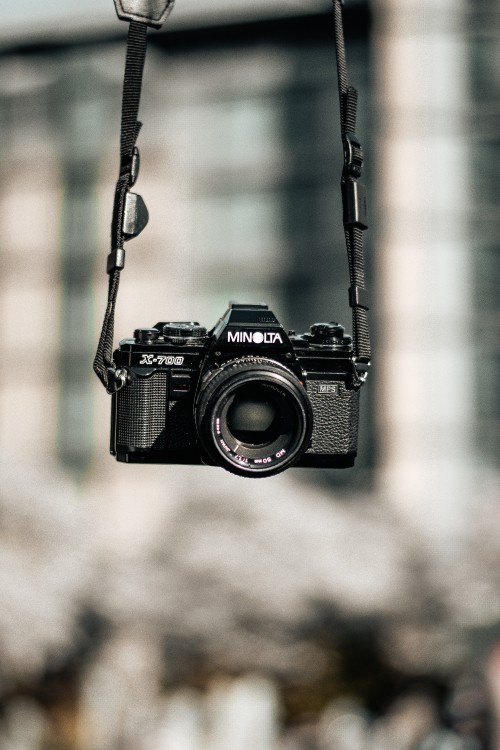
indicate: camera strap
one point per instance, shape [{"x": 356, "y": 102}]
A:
[
  {"x": 353, "y": 202},
  {"x": 130, "y": 215}
]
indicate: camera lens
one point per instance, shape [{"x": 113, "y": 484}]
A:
[{"x": 253, "y": 417}]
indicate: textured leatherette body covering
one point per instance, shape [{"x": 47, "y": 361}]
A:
[
  {"x": 152, "y": 12},
  {"x": 147, "y": 420},
  {"x": 336, "y": 417},
  {"x": 141, "y": 412}
]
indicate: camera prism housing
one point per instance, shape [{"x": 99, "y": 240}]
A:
[{"x": 246, "y": 395}]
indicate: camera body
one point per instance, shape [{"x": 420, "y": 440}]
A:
[{"x": 246, "y": 395}]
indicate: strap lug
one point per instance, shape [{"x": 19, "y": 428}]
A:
[{"x": 151, "y": 12}]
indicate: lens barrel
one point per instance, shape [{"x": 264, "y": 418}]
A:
[{"x": 253, "y": 417}]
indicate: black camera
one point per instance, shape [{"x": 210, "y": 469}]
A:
[{"x": 247, "y": 395}]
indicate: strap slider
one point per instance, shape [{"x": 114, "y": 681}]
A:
[
  {"x": 135, "y": 165},
  {"x": 354, "y": 204},
  {"x": 359, "y": 297},
  {"x": 116, "y": 260}
]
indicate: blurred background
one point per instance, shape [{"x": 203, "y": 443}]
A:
[{"x": 182, "y": 608}]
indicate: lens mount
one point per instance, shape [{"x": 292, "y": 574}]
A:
[{"x": 253, "y": 417}]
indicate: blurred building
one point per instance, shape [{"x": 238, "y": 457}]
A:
[
  {"x": 241, "y": 158},
  {"x": 241, "y": 161}
]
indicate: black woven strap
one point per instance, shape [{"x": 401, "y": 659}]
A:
[
  {"x": 130, "y": 126},
  {"x": 353, "y": 199}
]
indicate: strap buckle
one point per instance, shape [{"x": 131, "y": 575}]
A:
[
  {"x": 135, "y": 215},
  {"x": 353, "y": 155}
]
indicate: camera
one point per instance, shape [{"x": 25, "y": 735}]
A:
[{"x": 246, "y": 395}]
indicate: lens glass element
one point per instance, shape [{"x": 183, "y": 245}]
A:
[{"x": 254, "y": 417}]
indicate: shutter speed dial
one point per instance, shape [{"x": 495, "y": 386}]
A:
[{"x": 179, "y": 333}]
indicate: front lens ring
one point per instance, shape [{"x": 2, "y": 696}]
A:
[{"x": 288, "y": 439}]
